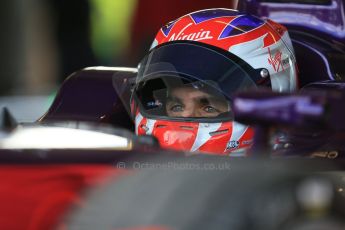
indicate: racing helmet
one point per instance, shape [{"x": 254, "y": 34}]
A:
[{"x": 185, "y": 84}]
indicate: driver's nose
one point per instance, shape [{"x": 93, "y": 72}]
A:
[{"x": 187, "y": 114}]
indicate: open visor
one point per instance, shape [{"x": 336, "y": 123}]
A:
[{"x": 178, "y": 77}]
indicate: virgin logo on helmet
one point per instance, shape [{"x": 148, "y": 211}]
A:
[
  {"x": 276, "y": 60},
  {"x": 198, "y": 36}
]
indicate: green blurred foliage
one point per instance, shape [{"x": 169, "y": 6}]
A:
[{"x": 110, "y": 28}]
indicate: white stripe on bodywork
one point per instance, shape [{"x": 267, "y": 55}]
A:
[
  {"x": 237, "y": 131},
  {"x": 138, "y": 119},
  {"x": 203, "y": 134},
  {"x": 150, "y": 124}
]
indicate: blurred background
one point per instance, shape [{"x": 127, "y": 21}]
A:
[{"x": 44, "y": 41}]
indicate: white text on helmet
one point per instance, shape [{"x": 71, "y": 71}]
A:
[{"x": 198, "y": 36}]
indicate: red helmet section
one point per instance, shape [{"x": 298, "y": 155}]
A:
[{"x": 220, "y": 30}]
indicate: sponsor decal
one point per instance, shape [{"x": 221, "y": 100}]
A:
[
  {"x": 196, "y": 36},
  {"x": 275, "y": 60},
  {"x": 154, "y": 104},
  {"x": 325, "y": 154},
  {"x": 247, "y": 142},
  {"x": 232, "y": 145}
]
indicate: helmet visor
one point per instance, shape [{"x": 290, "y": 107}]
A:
[{"x": 190, "y": 80}]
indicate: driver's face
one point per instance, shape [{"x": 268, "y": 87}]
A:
[{"x": 191, "y": 102}]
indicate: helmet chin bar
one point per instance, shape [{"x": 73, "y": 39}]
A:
[{"x": 222, "y": 138}]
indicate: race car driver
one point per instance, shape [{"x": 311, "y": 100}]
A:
[{"x": 185, "y": 84}]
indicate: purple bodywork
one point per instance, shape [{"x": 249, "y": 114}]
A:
[
  {"x": 309, "y": 122},
  {"x": 317, "y": 32},
  {"x": 94, "y": 95},
  {"x": 327, "y": 19}
]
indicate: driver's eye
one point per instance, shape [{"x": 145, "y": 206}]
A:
[
  {"x": 176, "y": 108},
  {"x": 210, "y": 109}
]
